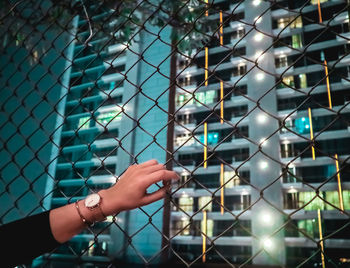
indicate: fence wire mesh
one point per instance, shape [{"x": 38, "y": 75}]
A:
[{"x": 247, "y": 100}]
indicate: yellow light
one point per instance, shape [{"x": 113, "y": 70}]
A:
[
  {"x": 222, "y": 187},
  {"x": 258, "y": 37},
  {"x": 321, "y": 237},
  {"x": 205, "y": 144},
  {"x": 204, "y": 240},
  {"x": 340, "y": 191},
  {"x": 221, "y": 30},
  {"x": 328, "y": 85},
  {"x": 206, "y": 67},
  {"x": 319, "y": 11},
  {"x": 221, "y": 102},
  {"x": 311, "y": 134},
  {"x": 207, "y": 11}
]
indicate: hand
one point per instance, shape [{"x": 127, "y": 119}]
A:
[{"x": 131, "y": 189}]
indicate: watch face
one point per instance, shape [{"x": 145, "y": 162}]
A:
[{"x": 92, "y": 200}]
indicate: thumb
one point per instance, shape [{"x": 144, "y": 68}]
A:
[{"x": 152, "y": 197}]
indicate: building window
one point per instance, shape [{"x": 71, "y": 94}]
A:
[
  {"x": 308, "y": 226},
  {"x": 238, "y": 34},
  {"x": 186, "y": 203},
  {"x": 282, "y": 61},
  {"x": 287, "y": 81},
  {"x": 297, "y": 41},
  {"x": 302, "y": 81},
  {"x": 185, "y": 81},
  {"x": 232, "y": 179},
  {"x": 212, "y": 138},
  {"x": 184, "y": 98},
  {"x": 295, "y": 22},
  {"x": 185, "y": 139},
  {"x": 181, "y": 227},
  {"x": 204, "y": 203},
  {"x": 109, "y": 117},
  {"x": 210, "y": 226},
  {"x": 84, "y": 122},
  {"x": 206, "y": 97},
  {"x": 302, "y": 125},
  {"x": 315, "y": 2}
]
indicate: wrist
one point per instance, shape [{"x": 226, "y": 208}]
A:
[{"x": 107, "y": 206}]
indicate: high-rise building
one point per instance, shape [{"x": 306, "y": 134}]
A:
[
  {"x": 278, "y": 74},
  {"x": 254, "y": 189}
]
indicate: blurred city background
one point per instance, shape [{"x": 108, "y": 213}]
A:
[{"x": 247, "y": 100}]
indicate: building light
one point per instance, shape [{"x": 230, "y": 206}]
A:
[
  {"x": 258, "y": 19},
  {"x": 267, "y": 243},
  {"x": 258, "y": 37},
  {"x": 263, "y": 141},
  {"x": 263, "y": 165},
  {"x": 261, "y": 118},
  {"x": 259, "y": 55},
  {"x": 256, "y": 2},
  {"x": 266, "y": 218},
  {"x": 259, "y": 76}
]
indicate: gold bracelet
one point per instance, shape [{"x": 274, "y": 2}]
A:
[{"x": 85, "y": 221}]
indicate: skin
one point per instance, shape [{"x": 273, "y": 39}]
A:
[{"x": 128, "y": 193}]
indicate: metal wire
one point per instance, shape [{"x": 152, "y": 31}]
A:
[{"x": 251, "y": 105}]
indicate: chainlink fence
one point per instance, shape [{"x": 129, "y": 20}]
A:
[{"x": 247, "y": 100}]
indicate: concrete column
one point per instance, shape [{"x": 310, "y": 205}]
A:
[{"x": 265, "y": 171}]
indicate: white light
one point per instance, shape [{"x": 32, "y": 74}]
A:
[
  {"x": 266, "y": 218},
  {"x": 267, "y": 243},
  {"x": 259, "y": 55},
  {"x": 259, "y": 76},
  {"x": 261, "y": 118},
  {"x": 263, "y": 141},
  {"x": 258, "y": 37},
  {"x": 263, "y": 165},
  {"x": 183, "y": 218},
  {"x": 307, "y": 126},
  {"x": 257, "y": 20},
  {"x": 256, "y": 2}
]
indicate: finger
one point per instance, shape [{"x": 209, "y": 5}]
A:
[
  {"x": 149, "y": 163},
  {"x": 165, "y": 175},
  {"x": 153, "y": 168},
  {"x": 155, "y": 196}
]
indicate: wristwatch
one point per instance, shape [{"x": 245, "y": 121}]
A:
[{"x": 93, "y": 203}]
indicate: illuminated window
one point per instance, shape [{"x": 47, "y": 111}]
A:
[
  {"x": 186, "y": 81},
  {"x": 315, "y": 2},
  {"x": 109, "y": 117},
  {"x": 212, "y": 138},
  {"x": 238, "y": 34},
  {"x": 310, "y": 227},
  {"x": 288, "y": 124},
  {"x": 183, "y": 98},
  {"x": 297, "y": 41},
  {"x": 282, "y": 61},
  {"x": 302, "y": 125},
  {"x": 84, "y": 122},
  {"x": 288, "y": 81},
  {"x": 306, "y": 197},
  {"x": 206, "y": 97},
  {"x": 184, "y": 139},
  {"x": 182, "y": 226},
  {"x": 302, "y": 80},
  {"x": 294, "y": 22},
  {"x": 289, "y": 177},
  {"x": 204, "y": 203},
  {"x": 210, "y": 227},
  {"x": 186, "y": 203},
  {"x": 232, "y": 178}
]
